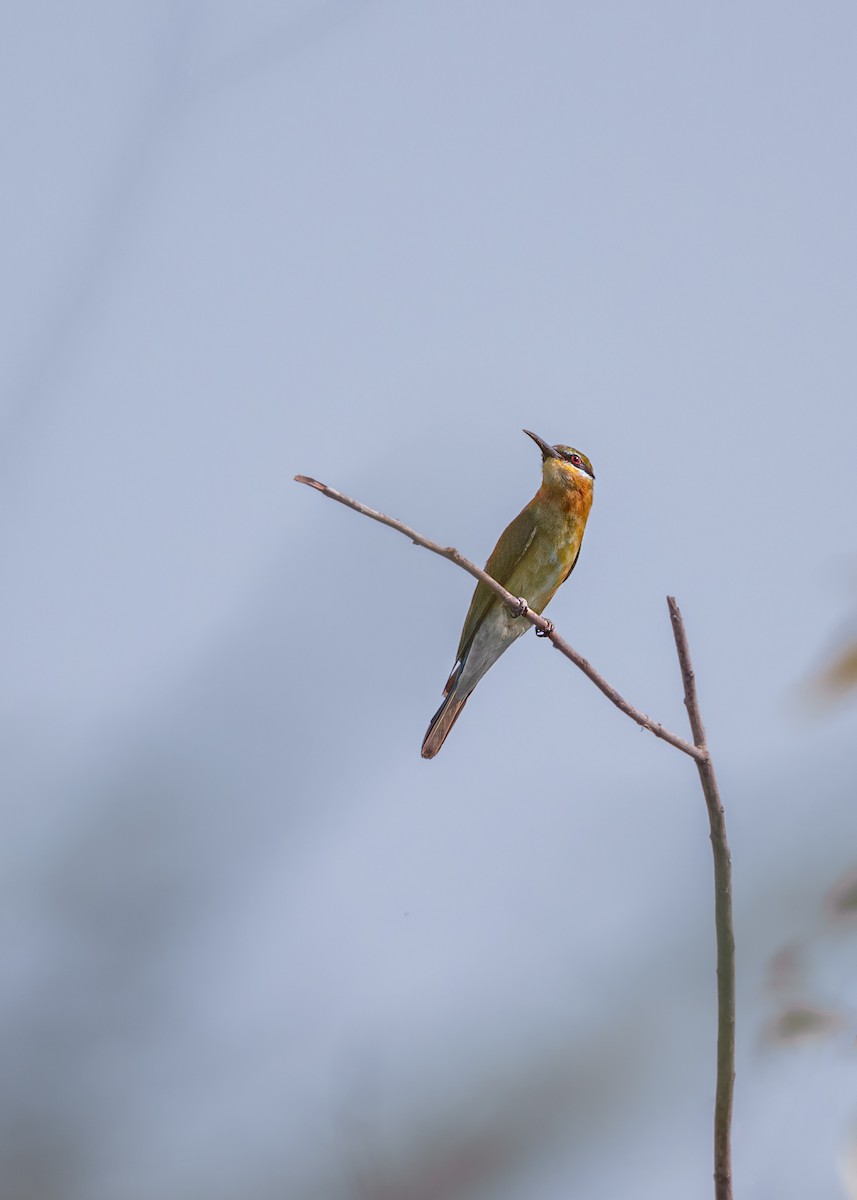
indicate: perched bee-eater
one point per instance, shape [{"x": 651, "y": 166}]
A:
[{"x": 534, "y": 555}]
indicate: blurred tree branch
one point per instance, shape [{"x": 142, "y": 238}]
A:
[{"x": 698, "y": 751}]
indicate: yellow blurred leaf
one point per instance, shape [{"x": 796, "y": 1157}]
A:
[
  {"x": 841, "y": 675},
  {"x": 801, "y": 1023}
]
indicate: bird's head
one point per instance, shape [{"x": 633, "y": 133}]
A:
[{"x": 563, "y": 461}]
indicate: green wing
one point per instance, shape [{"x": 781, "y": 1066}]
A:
[{"x": 514, "y": 542}]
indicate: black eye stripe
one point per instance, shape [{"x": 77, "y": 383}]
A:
[{"x": 570, "y": 455}]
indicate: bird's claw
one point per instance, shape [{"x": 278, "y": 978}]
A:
[
  {"x": 545, "y": 632},
  {"x": 521, "y": 608}
]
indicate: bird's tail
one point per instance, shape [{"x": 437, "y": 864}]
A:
[
  {"x": 446, "y": 716},
  {"x": 441, "y": 723}
]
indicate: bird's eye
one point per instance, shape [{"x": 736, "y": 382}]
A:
[{"x": 576, "y": 459}]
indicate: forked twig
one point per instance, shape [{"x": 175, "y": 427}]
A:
[{"x": 698, "y": 751}]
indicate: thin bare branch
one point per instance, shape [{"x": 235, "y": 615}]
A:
[
  {"x": 545, "y": 627},
  {"x": 722, "y": 920},
  {"x": 699, "y": 753}
]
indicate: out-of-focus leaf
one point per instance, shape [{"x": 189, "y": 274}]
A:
[
  {"x": 841, "y": 675},
  {"x": 843, "y": 898},
  {"x": 801, "y": 1023},
  {"x": 786, "y": 968}
]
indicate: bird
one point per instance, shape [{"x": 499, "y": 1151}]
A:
[{"x": 534, "y": 555}]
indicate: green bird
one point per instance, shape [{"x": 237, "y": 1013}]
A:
[{"x": 534, "y": 555}]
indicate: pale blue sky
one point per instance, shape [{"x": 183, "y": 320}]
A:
[{"x": 254, "y": 941}]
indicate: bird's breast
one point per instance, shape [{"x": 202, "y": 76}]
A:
[{"x": 562, "y": 523}]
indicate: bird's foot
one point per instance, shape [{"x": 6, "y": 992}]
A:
[
  {"x": 545, "y": 632},
  {"x": 521, "y": 608}
]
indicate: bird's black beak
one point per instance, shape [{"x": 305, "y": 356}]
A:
[{"x": 547, "y": 451}]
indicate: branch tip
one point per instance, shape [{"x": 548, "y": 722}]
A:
[{"x": 313, "y": 483}]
